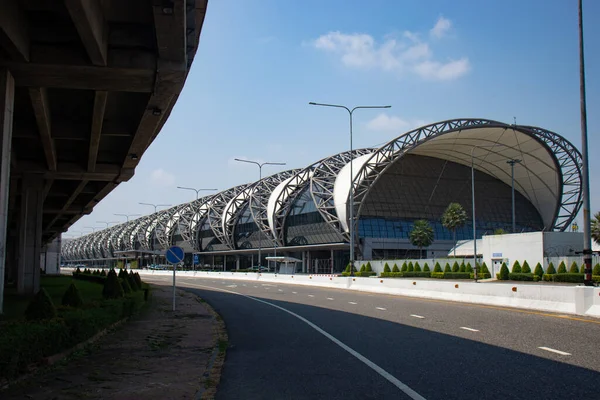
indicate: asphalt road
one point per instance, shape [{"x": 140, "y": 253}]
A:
[{"x": 335, "y": 344}]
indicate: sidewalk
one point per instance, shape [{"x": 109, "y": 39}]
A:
[{"x": 156, "y": 355}]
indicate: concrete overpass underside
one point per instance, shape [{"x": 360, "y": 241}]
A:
[{"x": 85, "y": 87}]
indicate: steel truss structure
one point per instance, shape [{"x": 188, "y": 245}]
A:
[{"x": 271, "y": 199}]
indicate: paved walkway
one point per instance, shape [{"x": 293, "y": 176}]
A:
[{"x": 156, "y": 355}]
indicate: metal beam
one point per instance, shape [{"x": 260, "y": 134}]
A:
[
  {"x": 66, "y": 205},
  {"x": 14, "y": 37},
  {"x": 41, "y": 109},
  {"x": 88, "y": 19},
  {"x": 171, "y": 36},
  {"x": 70, "y": 171},
  {"x": 97, "y": 120}
]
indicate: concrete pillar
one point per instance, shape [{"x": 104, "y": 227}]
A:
[
  {"x": 30, "y": 234},
  {"x": 331, "y": 261},
  {"x": 7, "y": 97},
  {"x": 237, "y": 263}
]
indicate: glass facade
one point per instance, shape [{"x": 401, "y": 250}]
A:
[
  {"x": 246, "y": 232},
  {"x": 305, "y": 225}
]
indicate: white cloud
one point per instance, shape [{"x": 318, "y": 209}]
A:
[
  {"x": 403, "y": 55},
  {"x": 442, "y": 26},
  {"x": 385, "y": 123},
  {"x": 160, "y": 177}
]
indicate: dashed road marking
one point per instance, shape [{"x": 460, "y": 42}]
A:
[
  {"x": 330, "y": 298},
  {"x": 294, "y": 292},
  {"x": 231, "y": 285},
  {"x": 417, "y": 316},
  {"x": 351, "y": 302},
  {"x": 381, "y": 308},
  {"x": 311, "y": 295},
  {"x": 279, "y": 290},
  {"x": 562, "y": 353},
  {"x": 469, "y": 329}
]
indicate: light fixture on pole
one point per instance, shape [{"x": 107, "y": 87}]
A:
[
  {"x": 351, "y": 217},
  {"x": 260, "y": 165},
  {"x": 155, "y": 205},
  {"x": 127, "y": 215},
  {"x": 106, "y": 222},
  {"x": 195, "y": 190},
  {"x": 93, "y": 228},
  {"x": 512, "y": 185}
]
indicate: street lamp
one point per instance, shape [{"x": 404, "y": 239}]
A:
[
  {"x": 195, "y": 190},
  {"x": 127, "y": 215},
  {"x": 155, "y": 205},
  {"x": 351, "y": 218},
  {"x": 105, "y": 222},
  {"x": 512, "y": 185},
  {"x": 260, "y": 165},
  {"x": 93, "y": 228}
]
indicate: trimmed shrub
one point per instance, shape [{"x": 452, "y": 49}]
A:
[
  {"x": 447, "y": 268},
  {"x": 572, "y": 278},
  {"x": 504, "y": 274},
  {"x": 462, "y": 268},
  {"x": 596, "y": 270},
  {"x": 125, "y": 285},
  {"x": 347, "y": 270},
  {"x": 103, "y": 273},
  {"x": 77, "y": 271},
  {"x": 525, "y": 268},
  {"x": 72, "y": 297},
  {"x": 582, "y": 270},
  {"x": 574, "y": 268},
  {"x": 41, "y": 307},
  {"x": 386, "y": 268},
  {"x": 437, "y": 275},
  {"x": 539, "y": 271},
  {"x": 404, "y": 267},
  {"x": 416, "y": 274},
  {"x": 363, "y": 268},
  {"x": 520, "y": 276},
  {"x": 411, "y": 267},
  {"x": 366, "y": 273},
  {"x": 112, "y": 287},
  {"x": 138, "y": 280},
  {"x": 551, "y": 270},
  {"x": 437, "y": 267},
  {"x": 426, "y": 268},
  {"x": 468, "y": 268},
  {"x": 516, "y": 269},
  {"x": 395, "y": 270},
  {"x": 369, "y": 268},
  {"x": 562, "y": 268},
  {"x": 481, "y": 275},
  {"x": 548, "y": 277},
  {"x": 417, "y": 267},
  {"x": 456, "y": 275},
  {"x": 455, "y": 267},
  {"x": 484, "y": 269}
]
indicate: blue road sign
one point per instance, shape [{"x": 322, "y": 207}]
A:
[
  {"x": 196, "y": 259},
  {"x": 174, "y": 254}
]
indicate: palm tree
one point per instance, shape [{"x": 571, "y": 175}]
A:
[
  {"x": 596, "y": 228},
  {"x": 454, "y": 217},
  {"x": 421, "y": 234}
]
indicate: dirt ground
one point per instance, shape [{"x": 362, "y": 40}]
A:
[{"x": 155, "y": 355}]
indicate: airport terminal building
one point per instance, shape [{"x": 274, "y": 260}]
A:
[{"x": 303, "y": 213}]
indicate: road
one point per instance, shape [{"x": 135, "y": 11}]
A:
[{"x": 301, "y": 342}]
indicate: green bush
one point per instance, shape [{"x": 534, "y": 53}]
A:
[
  {"x": 572, "y": 278},
  {"x": 539, "y": 271},
  {"x": 484, "y": 269},
  {"x": 386, "y": 268},
  {"x": 504, "y": 274},
  {"x": 392, "y": 274},
  {"x": 468, "y": 268},
  {"x": 562, "y": 268},
  {"x": 132, "y": 282},
  {"x": 41, "y": 307},
  {"x": 404, "y": 267},
  {"x": 395, "y": 269},
  {"x": 481, "y": 275},
  {"x": 112, "y": 287},
  {"x": 369, "y": 268},
  {"x": 72, "y": 297},
  {"x": 520, "y": 276},
  {"x": 516, "y": 269},
  {"x": 536, "y": 278},
  {"x": 462, "y": 268},
  {"x": 551, "y": 270},
  {"x": 596, "y": 278},
  {"x": 548, "y": 277},
  {"x": 363, "y": 268},
  {"x": 596, "y": 270},
  {"x": 90, "y": 278},
  {"x": 103, "y": 273},
  {"x": 77, "y": 271},
  {"x": 447, "y": 268},
  {"x": 437, "y": 275},
  {"x": 347, "y": 270},
  {"x": 125, "y": 285},
  {"x": 451, "y": 275},
  {"x": 122, "y": 273},
  {"x": 437, "y": 268},
  {"x": 426, "y": 268},
  {"x": 417, "y": 267},
  {"x": 574, "y": 268},
  {"x": 455, "y": 267},
  {"x": 366, "y": 273},
  {"x": 525, "y": 268},
  {"x": 411, "y": 267},
  {"x": 416, "y": 274},
  {"x": 582, "y": 270}
]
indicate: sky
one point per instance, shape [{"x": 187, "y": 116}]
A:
[{"x": 259, "y": 64}]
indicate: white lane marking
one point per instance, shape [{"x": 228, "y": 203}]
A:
[
  {"x": 469, "y": 329},
  {"x": 311, "y": 295},
  {"x": 330, "y": 298},
  {"x": 381, "y": 308},
  {"x": 255, "y": 286},
  {"x": 279, "y": 290},
  {"x": 231, "y": 285},
  {"x": 417, "y": 316},
  {"x": 562, "y": 353},
  {"x": 294, "y": 292},
  {"x": 351, "y": 302},
  {"x": 243, "y": 284},
  {"x": 389, "y": 377}
]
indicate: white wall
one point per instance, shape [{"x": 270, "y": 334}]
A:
[{"x": 514, "y": 246}]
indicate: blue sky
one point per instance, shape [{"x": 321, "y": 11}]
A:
[{"x": 260, "y": 62}]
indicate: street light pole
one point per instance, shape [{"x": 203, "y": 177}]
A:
[
  {"x": 260, "y": 165},
  {"x": 155, "y": 205},
  {"x": 195, "y": 190},
  {"x": 587, "y": 239},
  {"x": 512, "y": 185},
  {"x": 105, "y": 222},
  {"x": 351, "y": 216},
  {"x": 127, "y": 215}
]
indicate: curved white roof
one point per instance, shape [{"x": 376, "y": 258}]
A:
[{"x": 341, "y": 190}]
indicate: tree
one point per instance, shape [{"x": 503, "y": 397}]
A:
[
  {"x": 386, "y": 268},
  {"x": 426, "y": 268},
  {"x": 596, "y": 269},
  {"x": 411, "y": 267},
  {"x": 437, "y": 267},
  {"x": 404, "y": 267},
  {"x": 417, "y": 267},
  {"x": 525, "y": 268},
  {"x": 539, "y": 271},
  {"x": 574, "y": 268},
  {"x": 455, "y": 267},
  {"x": 551, "y": 270},
  {"x": 516, "y": 269},
  {"x": 447, "y": 268},
  {"x": 421, "y": 234},
  {"x": 463, "y": 267},
  {"x": 369, "y": 268},
  {"x": 562, "y": 268},
  {"x": 596, "y": 228},
  {"x": 395, "y": 269},
  {"x": 453, "y": 218},
  {"x": 503, "y": 272}
]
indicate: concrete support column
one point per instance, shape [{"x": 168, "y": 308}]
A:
[
  {"x": 7, "y": 97},
  {"x": 237, "y": 263},
  {"x": 30, "y": 234}
]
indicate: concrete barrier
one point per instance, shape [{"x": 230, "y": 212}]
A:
[{"x": 578, "y": 300}]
